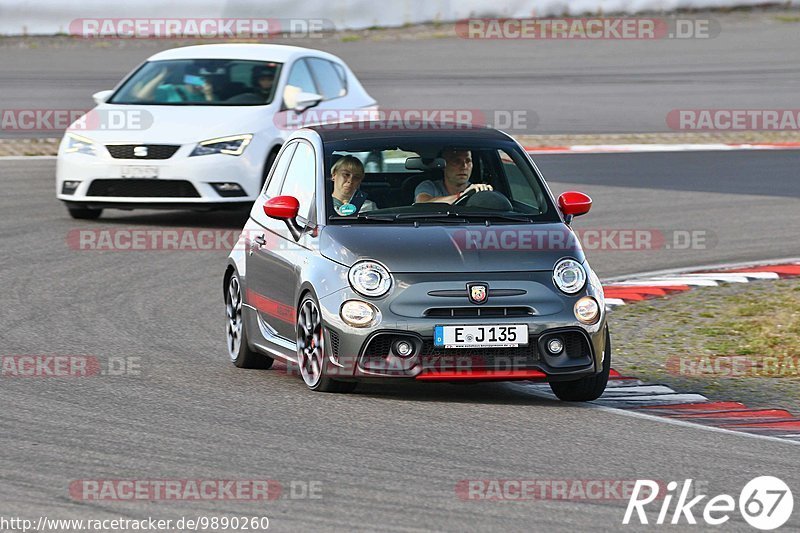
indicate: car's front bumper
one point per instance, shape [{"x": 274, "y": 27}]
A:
[
  {"x": 183, "y": 181},
  {"x": 365, "y": 353}
]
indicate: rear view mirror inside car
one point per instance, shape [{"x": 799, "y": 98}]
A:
[{"x": 418, "y": 163}]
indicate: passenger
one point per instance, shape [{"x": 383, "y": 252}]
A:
[
  {"x": 456, "y": 183},
  {"x": 347, "y": 174},
  {"x": 197, "y": 89},
  {"x": 193, "y": 89}
]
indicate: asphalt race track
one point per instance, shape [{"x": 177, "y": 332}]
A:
[
  {"x": 388, "y": 457},
  {"x": 565, "y": 86}
]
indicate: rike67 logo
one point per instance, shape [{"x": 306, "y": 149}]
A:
[{"x": 765, "y": 503}]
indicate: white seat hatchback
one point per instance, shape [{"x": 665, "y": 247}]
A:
[{"x": 197, "y": 127}]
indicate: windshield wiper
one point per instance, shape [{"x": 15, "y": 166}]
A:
[
  {"x": 499, "y": 216},
  {"x": 450, "y": 216},
  {"x": 371, "y": 216},
  {"x": 466, "y": 216},
  {"x": 436, "y": 215}
]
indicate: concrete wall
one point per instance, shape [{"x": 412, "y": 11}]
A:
[{"x": 54, "y": 16}]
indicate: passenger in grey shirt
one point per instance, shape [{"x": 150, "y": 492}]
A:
[{"x": 457, "y": 170}]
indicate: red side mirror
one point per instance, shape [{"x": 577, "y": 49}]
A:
[
  {"x": 282, "y": 207},
  {"x": 574, "y": 203}
]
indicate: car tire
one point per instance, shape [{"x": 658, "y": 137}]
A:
[
  {"x": 235, "y": 331},
  {"x": 587, "y": 388},
  {"x": 311, "y": 353},
  {"x": 84, "y": 213}
]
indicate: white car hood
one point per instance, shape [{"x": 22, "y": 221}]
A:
[{"x": 171, "y": 124}]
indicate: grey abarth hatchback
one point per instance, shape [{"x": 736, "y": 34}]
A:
[{"x": 450, "y": 261}]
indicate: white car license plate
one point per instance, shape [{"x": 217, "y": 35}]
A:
[
  {"x": 495, "y": 336},
  {"x": 139, "y": 172}
]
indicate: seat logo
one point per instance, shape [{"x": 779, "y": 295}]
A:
[
  {"x": 140, "y": 151},
  {"x": 478, "y": 292}
]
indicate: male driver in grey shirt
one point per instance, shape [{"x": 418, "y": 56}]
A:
[{"x": 455, "y": 182}]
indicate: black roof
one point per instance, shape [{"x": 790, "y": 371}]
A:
[{"x": 373, "y": 130}]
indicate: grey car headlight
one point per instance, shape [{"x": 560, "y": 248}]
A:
[
  {"x": 233, "y": 145},
  {"x": 77, "y": 144},
  {"x": 569, "y": 276},
  {"x": 370, "y": 279}
]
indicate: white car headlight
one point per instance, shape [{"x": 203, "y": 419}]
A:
[
  {"x": 77, "y": 144},
  {"x": 370, "y": 279},
  {"x": 233, "y": 145},
  {"x": 569, "y": 276}
]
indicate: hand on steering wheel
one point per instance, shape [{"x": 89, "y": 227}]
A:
[{"x": 467, "y": 193}]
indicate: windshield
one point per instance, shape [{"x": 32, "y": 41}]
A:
[
  {"x": 216, "y": 82},
  {"x": 433, "y": 182}
]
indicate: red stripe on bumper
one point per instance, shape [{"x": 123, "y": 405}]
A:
[{"x": 482, "y": 375}]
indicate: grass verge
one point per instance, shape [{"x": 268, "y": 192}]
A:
[{"x": 734, "y": 342}]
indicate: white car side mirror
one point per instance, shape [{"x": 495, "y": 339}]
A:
[
  {"x": 304, "y": 101},
  {"x": 102, "y": 96}
]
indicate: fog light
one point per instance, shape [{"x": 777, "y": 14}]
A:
[
  {"x": 403, "y": 348},
  {"x": 69, "y": 187},
  {"x": 228, "y": 189},
  {"x": 357, "y": 313},
  {"x": 554, "y": 346},
  {"x": 586, "y": 310}
]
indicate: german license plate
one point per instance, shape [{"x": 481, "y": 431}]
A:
[
  {"x": 495, "y": 336},
  {"x": 148, "y": 172}
]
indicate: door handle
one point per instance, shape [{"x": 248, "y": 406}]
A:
[{"x": 260, "y": 240}]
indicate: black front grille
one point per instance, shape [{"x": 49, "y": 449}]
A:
[
  {"x": 576, "y": 345},
  {"x": 477, "y": 312},
  {"x": 379, "y": 346},
  {"x": 438, "y": 358},
  {"x": 154, "y": 151},
  {"x": 143, "y": 188}
]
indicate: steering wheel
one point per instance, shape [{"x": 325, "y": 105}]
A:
[
  {"x": 462, "y": 200},
  {"x": 492, "y": 200}
]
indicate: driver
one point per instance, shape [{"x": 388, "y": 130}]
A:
[
  {"x": 456, "y": 180},
  {"x": 262, "y": 80}
]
